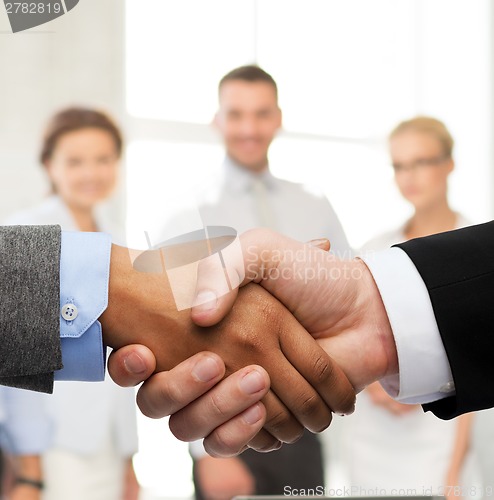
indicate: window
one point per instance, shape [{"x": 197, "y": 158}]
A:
[{"x": 347, "y": 70}]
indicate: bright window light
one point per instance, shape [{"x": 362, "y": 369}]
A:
[
  {"x": 176, "y": 56},
  {"x": 348, "y": 71}
]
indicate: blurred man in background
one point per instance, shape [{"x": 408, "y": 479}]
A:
[{"x": 247, "y": 195}]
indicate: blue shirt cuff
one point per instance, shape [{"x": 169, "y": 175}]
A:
[{"x": 84, "y": 275}]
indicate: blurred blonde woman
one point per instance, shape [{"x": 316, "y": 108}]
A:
[
  {"x": 396, "y": 447},
  {"x": 95, "y": 424}
]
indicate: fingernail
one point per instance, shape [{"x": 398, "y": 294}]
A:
[
  {"x": 252, "y": 415},
  {"x": 319, "y": 242},
  {"x": 206, "y": 369},
  {"x": 270, "y": 447},
  {"x": 278, "y": 446},
  {"x": 349, "y": 412},
  {"x": 205, "y": 300},
  {"x": 252, "y": 382},
  {"x": 134, "y": 363}
]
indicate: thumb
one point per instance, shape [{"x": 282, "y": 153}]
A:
[{"x": 217, "y": 284}]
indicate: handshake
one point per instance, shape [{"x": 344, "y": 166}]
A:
[{"x": 291, "y": 345}]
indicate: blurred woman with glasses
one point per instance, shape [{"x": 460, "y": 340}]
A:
[
  {"x": 392, "y": 446},
  {"x": 421, "y": 151}
]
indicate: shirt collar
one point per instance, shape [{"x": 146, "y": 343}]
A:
[{"x": 240, "y": 179}]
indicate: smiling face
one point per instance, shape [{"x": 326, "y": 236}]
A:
[
  {"x": 248, "y": 119},
  {"x": 84, "y": 167},
  {"x": 421, "y": 167}
]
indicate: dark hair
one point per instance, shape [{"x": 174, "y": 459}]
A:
[
  {"x": 250, "y": 73},
  {"x": 71, "y": 119}
]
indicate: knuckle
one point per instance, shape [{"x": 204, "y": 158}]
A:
[
  {"x": 168, "y": 397},
  {"x": 218, "y": 405},
  {"x": 313, "y": 412},
  {"x": 278, "y": 419},
  {"x": 323, "y": 369},
  {"x": 270, "y": 313},
  {"x": 284, "y": 427},
  {"x": 222, "y": 443},
  {"x": 160, "y": 398},
  {"x": 310, "y": 405}
]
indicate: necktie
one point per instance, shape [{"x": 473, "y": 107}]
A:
[{"x": 262, "y": 203}]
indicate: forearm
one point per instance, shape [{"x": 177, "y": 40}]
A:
[
  {"x": 28, "y": 483},
  {"x": 131, "y": 485},
  {"x": 461, "y": 446}
]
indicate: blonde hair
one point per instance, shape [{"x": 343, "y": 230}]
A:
[{"x": 430, "y": 126}]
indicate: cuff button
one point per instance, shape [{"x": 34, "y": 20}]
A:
[
  {"x": 448, "y": 387},
  {"x": 69, "y": 312}
]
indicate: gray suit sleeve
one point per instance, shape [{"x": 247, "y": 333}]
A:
[{"x": 29, "y": 306}]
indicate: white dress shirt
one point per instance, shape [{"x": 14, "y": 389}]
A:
[
  {"x": 231, "y": 199},
  {"x": 293, "y": 209},
  {"x": 425, "y": 374}
]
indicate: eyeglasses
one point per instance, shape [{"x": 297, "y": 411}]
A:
[{"x": 419, "y": 164}]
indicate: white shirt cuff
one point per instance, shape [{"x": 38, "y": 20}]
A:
[{"x": 424, "y": 371}]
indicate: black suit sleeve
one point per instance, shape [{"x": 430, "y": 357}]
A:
[
  {"x": 458, "y": 270},
  {"x": 30, "y": 306}
]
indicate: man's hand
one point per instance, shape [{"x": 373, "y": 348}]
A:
[
  {"x": 236, "y": 414},
  {"x": 336, "y": 301},
  {"x": 306, "y": 385}
]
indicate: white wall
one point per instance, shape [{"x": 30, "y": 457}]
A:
[
  {"x": 347, "y": 70},
  {"x": 76, "y": 59},
  {"x": 455, "y": 82}
]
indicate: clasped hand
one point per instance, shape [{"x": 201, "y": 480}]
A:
[{"x": 303, "y": 307}]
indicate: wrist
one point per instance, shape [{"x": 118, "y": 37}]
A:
[
  {"x": 121, "y": 288},
  {"x": 379, "y": 326},
  {"x": 356, "y": 332},
  {"x": 141, "y": 308}
]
